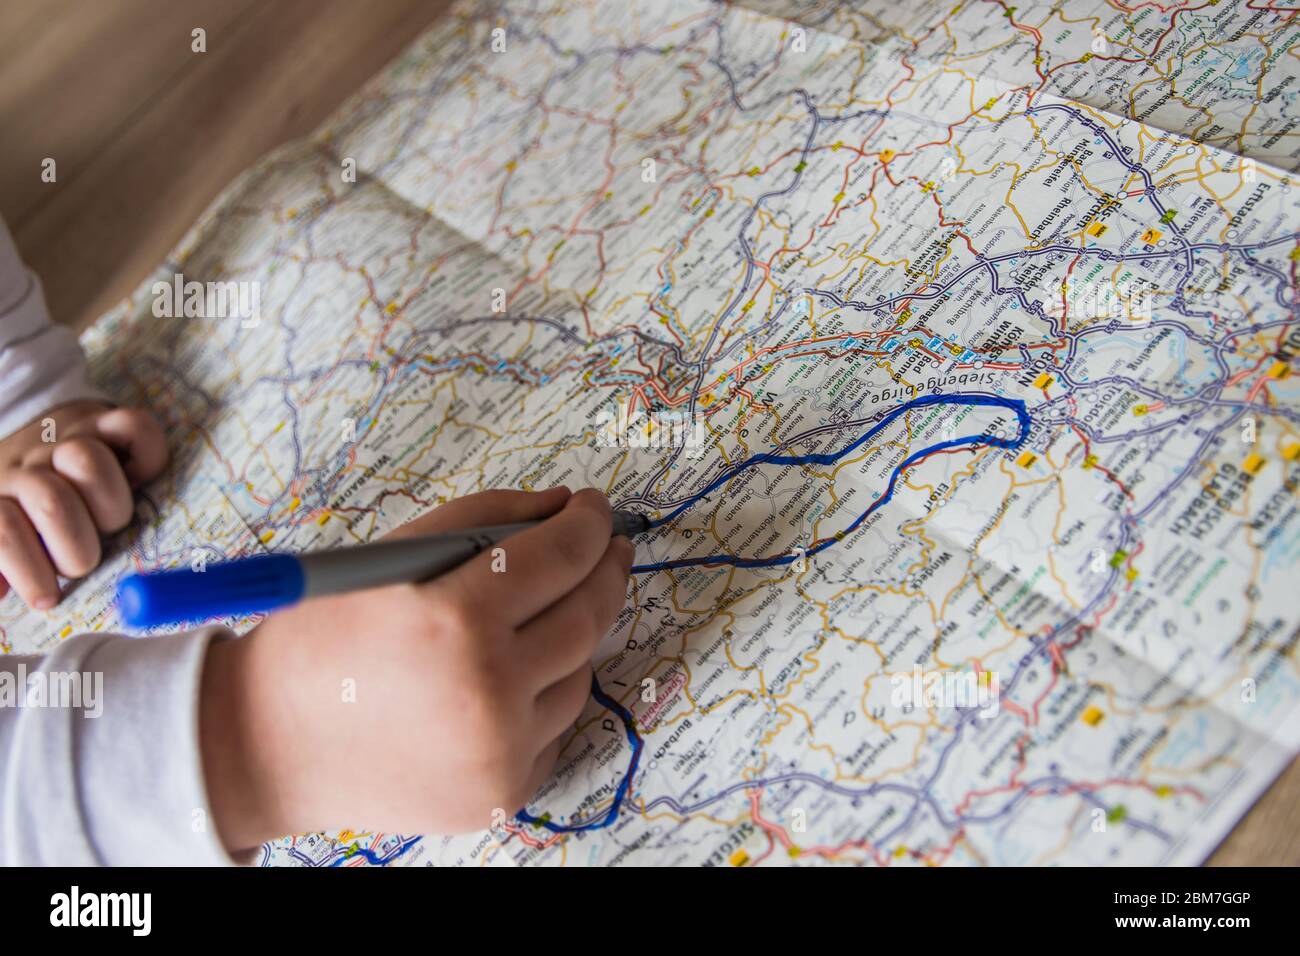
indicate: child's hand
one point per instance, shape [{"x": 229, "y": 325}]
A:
[
  {"x": 419, "y": 708},
  {"x": 65, "y": 479}
]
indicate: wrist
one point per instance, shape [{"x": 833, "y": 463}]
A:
[{"x": 238, "y": 750}]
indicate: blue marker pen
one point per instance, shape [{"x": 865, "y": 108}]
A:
[{"x": 268, "y": 581}]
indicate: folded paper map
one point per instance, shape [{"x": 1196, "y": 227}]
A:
[{"x": 953, "y": 345}]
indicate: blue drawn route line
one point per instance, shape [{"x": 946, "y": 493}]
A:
[
  {"x": 611, "y": 814},
  {"x": 374, "y": 858},
  {"x": 768, "y": 458},
  {"x": 523, "y": 816},
  {"x": 629, "y": 723},
  {"x": 828, "y": 458}
]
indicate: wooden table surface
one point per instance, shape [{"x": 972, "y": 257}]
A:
[{"x": 145, "y": 134}]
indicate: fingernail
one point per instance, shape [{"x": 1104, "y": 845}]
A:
[
  {"x": 629, "y": 554},
  {"x": 44, "y": 603},
  {"x": 564, "y": 488}
]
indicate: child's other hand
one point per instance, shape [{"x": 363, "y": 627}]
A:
[
  {"x": 420, "y": 708},
  {"x": 65, "y": 479}
]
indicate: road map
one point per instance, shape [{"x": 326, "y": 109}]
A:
[{"x": 952, "y": 348}]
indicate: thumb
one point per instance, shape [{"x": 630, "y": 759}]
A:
[{"x": 139, "y": 441}]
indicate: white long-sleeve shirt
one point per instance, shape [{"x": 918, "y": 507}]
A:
[
  {"x": 41, "y": 365},
  {"x": 117, "y": 779}
]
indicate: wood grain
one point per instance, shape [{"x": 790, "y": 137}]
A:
[
  {"x": 146, "y": 132},
  {"x": 1270, "y": 834}
]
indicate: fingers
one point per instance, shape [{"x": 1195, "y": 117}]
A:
[
  {"x": 23, "y": 560},
  {"x": 138, "y": 436},
  {"x": 487, "y": 508},
  {"x": 562, "y": 638},
  {"x": 59, "y": 516},
  {"x": 56, "y": 496},
  {"x": 560, "y": 704},
  {"x": 94, "y": 471},
  {"x": 540, "y": 772},
  {"x": 541, "y": 564}
]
